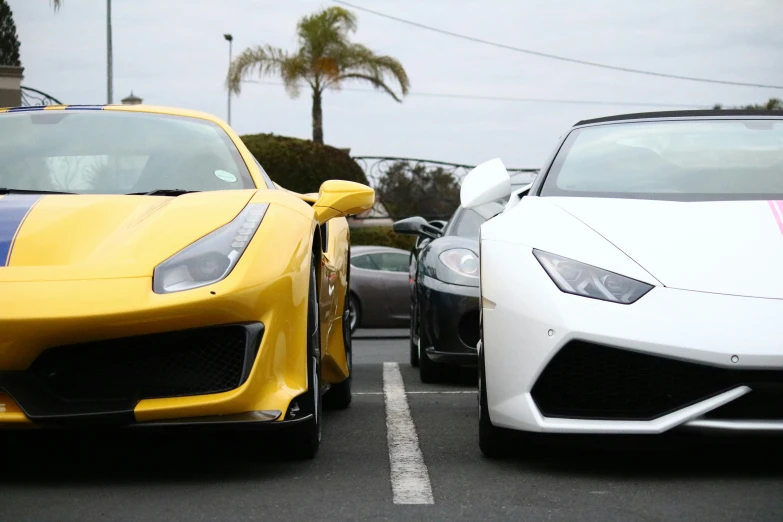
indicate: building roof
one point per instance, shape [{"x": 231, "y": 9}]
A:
[{"x": 131, "y": 98}]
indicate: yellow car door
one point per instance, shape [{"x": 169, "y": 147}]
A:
[{"x": 332, "y": 300}]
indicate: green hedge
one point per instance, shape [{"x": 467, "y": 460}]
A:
[
  {"x": 383, "y": 236},
  {"x": 301, "y": 165}
]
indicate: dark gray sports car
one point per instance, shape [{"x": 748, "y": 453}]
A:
[
  {"x": 444, "y": 286},
  {"x": 380, "y": 287}
]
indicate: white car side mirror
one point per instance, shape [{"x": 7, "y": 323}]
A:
[{"x": 487, "y": 182}]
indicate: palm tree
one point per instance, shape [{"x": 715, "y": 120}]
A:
[{"x": 324, "y": 60}]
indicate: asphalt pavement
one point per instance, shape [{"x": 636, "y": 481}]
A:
[{"x": 402, "y": 451}]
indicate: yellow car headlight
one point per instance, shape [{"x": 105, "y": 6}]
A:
[{"x": 211, "y": 258}]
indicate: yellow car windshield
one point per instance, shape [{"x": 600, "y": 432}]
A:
[{"x": 113, "y": 152}]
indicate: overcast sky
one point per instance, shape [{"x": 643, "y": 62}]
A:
[{"x": 172, "y": 52}]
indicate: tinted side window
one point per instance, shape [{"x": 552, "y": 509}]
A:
[
  {"x": 325, "y": 236},
  {"x": 391, "y": 262},
  {"x": 266, "y": 177},
  {"x": 364, "y": 261}
]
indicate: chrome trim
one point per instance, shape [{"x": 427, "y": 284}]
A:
[
  {"x": 654, "y": 426},
  {"x": 237, "y": 418},
  {"x": 735, "y": 425}
]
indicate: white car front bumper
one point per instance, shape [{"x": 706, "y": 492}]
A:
[{"x": 736, "y": 343}]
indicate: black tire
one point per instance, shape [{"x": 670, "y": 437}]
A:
[
  {"x": 494, "y": 442},
  {"x": 339, "y": 395},
  {"x": 304, "y": 439},
  {"x": 414, "y": 344},
  {"x": 354, "y": 312}
]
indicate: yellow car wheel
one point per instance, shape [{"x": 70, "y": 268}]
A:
[{"x": 304, "y": 439}]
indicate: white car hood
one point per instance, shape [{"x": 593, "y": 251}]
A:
[{"x": 725, "y": 247}]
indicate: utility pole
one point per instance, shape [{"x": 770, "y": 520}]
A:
[
  {"x": 230, "y": 39},
  {"x": 109, "y": 64}
]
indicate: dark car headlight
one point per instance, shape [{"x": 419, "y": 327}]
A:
[
  {"x": 462, "y": 261},
  {"x": 573, "y": 277},
  {"x": 211, "y": 258}
]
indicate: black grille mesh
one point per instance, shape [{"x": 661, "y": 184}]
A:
[
  {"x": 585, "y": 380},
  {"x": 191, "y": 362}
]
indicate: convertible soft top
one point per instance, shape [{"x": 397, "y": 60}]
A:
[{"x": 681, "y": 114}]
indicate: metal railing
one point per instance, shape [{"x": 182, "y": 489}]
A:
[
  {"x": 34, "y": 98},
  {"x": 376, "y": 167}
]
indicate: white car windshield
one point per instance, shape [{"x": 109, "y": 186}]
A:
[
  {"x": 115, "y": 152},
  {"x": 697, "y": 160}
]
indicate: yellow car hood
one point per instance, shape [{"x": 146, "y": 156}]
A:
[{"x": 70, "y": 237}]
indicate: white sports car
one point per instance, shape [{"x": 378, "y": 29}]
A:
[{"x": 636, "y": 286}]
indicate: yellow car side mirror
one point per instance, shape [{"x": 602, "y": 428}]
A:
[{"x": 338, "y": 198}]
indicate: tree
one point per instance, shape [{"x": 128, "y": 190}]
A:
[
  {"x": 302, "y": 165},
  {"x": 9, "y": 41},
  {"x": 406, "y": 190},
  {"x": 324, "y": 60},
  {"x": 773, "y": 104}
]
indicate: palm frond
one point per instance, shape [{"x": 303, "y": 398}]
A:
[
  {"x": 359, "y": 62},
  {"x": 292, "y": 70},
  {"x": 325, "y": 32},
  {"x": 332, "y": 23},
  {"x": 262, "y": 60},
  {"x": 377, "y": 83}
]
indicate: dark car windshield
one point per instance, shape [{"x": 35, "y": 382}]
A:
[
  {"x": 700, "y": 160},
  {"x": 468, "y": 224},
  {"x": 114, "y": 152},
  {"x": 467, "y": 221}
]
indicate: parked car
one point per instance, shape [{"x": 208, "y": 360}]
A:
[
  {"x": 636, "y": 287},
  {"x": 444, "y": 287},
  {"x": 379, "y": 291},
  {"x": 153, "y": 276}
]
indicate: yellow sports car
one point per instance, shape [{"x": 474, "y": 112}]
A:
[{"x": 151, "y": 274}]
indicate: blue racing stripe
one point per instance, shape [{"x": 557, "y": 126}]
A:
[
  {"x": 26, "y": 109},
  {"x": 84, "y": 107},
  {"x": 13, "y": 211}
]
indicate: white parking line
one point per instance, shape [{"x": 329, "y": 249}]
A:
[
  {"x": 429, "y": 392},
  {"x": 410, "y": 479}
]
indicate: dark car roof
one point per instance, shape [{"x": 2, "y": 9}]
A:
[
  {"x": 681, "y": 114},
  {"x": 368, "y": 249}
]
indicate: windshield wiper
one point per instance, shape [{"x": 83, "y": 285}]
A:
[
  {"x": 163, "y": 192},
  {"x": 23, "y": 191}
]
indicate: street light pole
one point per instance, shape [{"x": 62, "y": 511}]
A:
[
  {"x": 109, "y": 64},
  {"x": 230, "y": 39}
]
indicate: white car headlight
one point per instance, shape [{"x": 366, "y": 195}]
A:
[
  {"x": 462, "y": 261},
  {"x": 573, "y": 277},
  {"x": 211, "y": 258}
]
